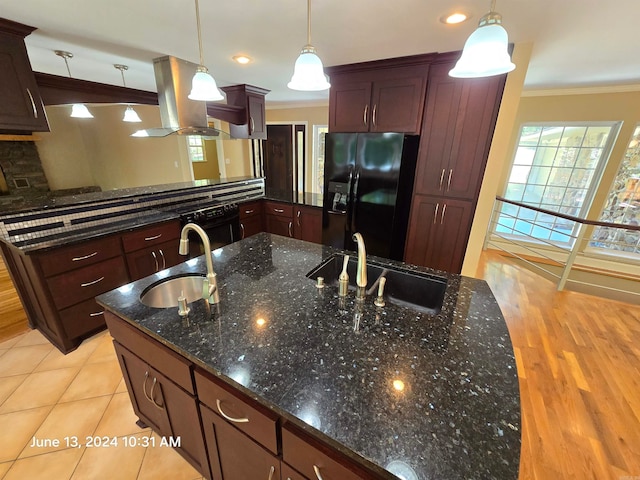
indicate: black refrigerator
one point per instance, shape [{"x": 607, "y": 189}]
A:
[{"x": 368, "y": 182}]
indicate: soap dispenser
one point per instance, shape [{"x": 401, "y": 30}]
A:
[{"x": 343, "y": 279}]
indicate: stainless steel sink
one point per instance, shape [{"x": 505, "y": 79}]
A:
[
  {"x": 416, "y": 290},
  {"x": 164, "y": 294}
]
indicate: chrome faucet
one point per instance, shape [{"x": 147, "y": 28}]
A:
[
  {"x": 210, "y": 284},
  {"x": 361, "y": 272}
]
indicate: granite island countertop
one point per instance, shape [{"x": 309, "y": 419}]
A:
[{"x": 330, "y": 366}]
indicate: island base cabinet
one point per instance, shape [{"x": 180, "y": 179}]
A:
[
  {"x": 233, "y": 455},
  {"x": 170, "y": 411},
  {"x": 314, "y": 460}
]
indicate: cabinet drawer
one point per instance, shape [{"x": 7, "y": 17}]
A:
[
  {"x": 150, "y": 236},
  {"x": 77, "y": 256},
  {"x": 164, "y": 360},
  {"x": 257, "y": 422},
  {"x": 84, "y": 283},
  {"x": 279, "y": 209},
  {"x": 250, "y": 209},
  {"x": 82, "y": 318},
  {"x": 301, "y": 454}
]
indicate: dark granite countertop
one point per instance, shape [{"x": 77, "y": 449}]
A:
[
  {"x": 329, "y": 366},
  {"x": 289, "y": 196}
]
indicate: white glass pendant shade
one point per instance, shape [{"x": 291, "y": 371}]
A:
[
  {"x": 130, "y": 115},
  {"x": 204, "y": 87},
  {"x": 79, "y": 110},
  {"x": 485, "y": 53},
  {"x": 308, "y": 72}
]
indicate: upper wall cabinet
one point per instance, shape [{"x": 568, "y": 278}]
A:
[
  {"x": 379, "y": 96},
  {"x": 21, "y": 108},
  {"x": 252, "y": 100}
]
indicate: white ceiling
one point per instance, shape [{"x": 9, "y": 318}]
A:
[{"x": 576, "y": 43}]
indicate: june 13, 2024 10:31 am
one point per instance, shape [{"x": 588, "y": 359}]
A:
[{"x": 105, "y": 442}]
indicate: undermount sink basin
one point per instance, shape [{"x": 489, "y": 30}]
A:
[
  {"x": 165, "y": 293},
  {"x": 420, "y": 291}
]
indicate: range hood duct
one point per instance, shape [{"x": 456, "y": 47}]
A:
[{"x": 179, "y": 115}]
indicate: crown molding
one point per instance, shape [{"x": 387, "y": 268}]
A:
[{"x": 547, "y": 92}]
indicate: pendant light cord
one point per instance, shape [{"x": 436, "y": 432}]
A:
[
  {"x": 199, "y": 34},
  {"x": 308, "y": 22}
]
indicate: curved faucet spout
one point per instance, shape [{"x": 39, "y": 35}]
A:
[
  {"x": 210, "y": 287},
  {"x": 361, "y": 273}
]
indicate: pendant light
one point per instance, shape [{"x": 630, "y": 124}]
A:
[
  {"x": 485, "y": 52},
  {"x": 308, "y": 73},
  {"x": 203, "y": 86},
  {"x": 130, "y": 114},
  {"x": 78, "y": 110}
]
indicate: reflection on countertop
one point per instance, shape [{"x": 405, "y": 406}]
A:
[
  {"x": 432, "y": 394},
  {"x": 296, "y": 198}
]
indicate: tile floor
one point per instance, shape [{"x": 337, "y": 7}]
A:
[{"x": 49, "y": 396}]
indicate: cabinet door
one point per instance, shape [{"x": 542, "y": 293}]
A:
[
  {"x": 250, "y": 226},
  {"x": 147, "y": 261},
  {"x": 307, "y": 224},
  {"x": 459, "y": 120},
  {"x": 279, "y": 225},
  {"x": 397, "y": 105},
  {"x": 438, "y": 233},
  {"x": 349, "y": 107},
  {"x": 257, "y": 119},
  {"x": 233, "y": 455},
  {"x": 144, "y": 392},
  {"x": 21, "y": 107}
]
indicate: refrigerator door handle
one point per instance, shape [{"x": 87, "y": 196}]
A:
[{"x": 354, "y": 201}]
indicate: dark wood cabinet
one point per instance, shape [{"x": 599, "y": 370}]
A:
[
  {"x": 278, "y": 218},
  {"x": 252, "y": 99},
  {"x": 236, "y": 455},
  {"x": 152, "y": 249},
  {"x": 307, "y": 223},
  {"x": 438, "y": 232},
  {"x": 459, "y": 120},
  {"x": 251, "y": 219},
  {"x": 380, "y": 96},
  {"x": 21, "y": 108},
  {"x": 162, "y": 405},
  {"x": 458, "y": 124}
]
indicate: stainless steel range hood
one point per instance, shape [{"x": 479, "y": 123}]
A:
[{"x": 179, "y": 115}]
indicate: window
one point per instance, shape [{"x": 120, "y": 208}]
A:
[
  {"x": 556, "y": 167},
  {"x": 319, "y": 132},
  {"x": 196, "y": 149},
  {"x": 623, "y": 204}
]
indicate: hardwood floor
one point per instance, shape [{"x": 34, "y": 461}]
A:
[
  {"x": 579, "y": 367},
  {"x": 13, "y": 319}
]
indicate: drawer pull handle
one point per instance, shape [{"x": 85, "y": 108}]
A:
[
  {"x": 78, "y": 259},
  {"x": 435, "y": 215},
  {"x": 153, "y": 400},
  {"x": 155, "y": 260},
  {"x": 278, "y": 210},
  {"x": 317, "y": 472},
  {"x": 364, "y": 115},
  {"x": 290, "y": 227},
  {"x": 299, "y": 213},
  {"x": 144, "y": 386},
  {"x": 441, "y": 178},
  {"x": 164, "y": 261},
  {"x": 155, "y": 237},
  {"x": 88, "y": 284},
  {"x": 33, "y": 104},
  {"x": 96, "y": 314},
  {"x": 227, "y": 417},
  {"x": 248, "y": 212},
  {"x": 271, "y": 472},
  {"x": 242, "y": 235},
  {"x": 444, "y": 209},
  {"x": 373, "y": 117},
  {"x": 449, "y": 180}
]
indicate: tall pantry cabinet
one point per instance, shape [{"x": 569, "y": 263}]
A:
[{"x": 457, "y": 128}]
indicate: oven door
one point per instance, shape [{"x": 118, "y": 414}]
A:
[{"x": 221, "y": 232}]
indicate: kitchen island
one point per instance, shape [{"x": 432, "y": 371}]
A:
[{"x": 387, "y": 392}]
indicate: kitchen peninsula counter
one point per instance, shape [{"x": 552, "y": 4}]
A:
[{"x": 402, "y": 393}]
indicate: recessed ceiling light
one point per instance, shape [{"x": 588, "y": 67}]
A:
[
  {"x": 241, "y": 59},
  {"x": 453, "y": 18}
]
